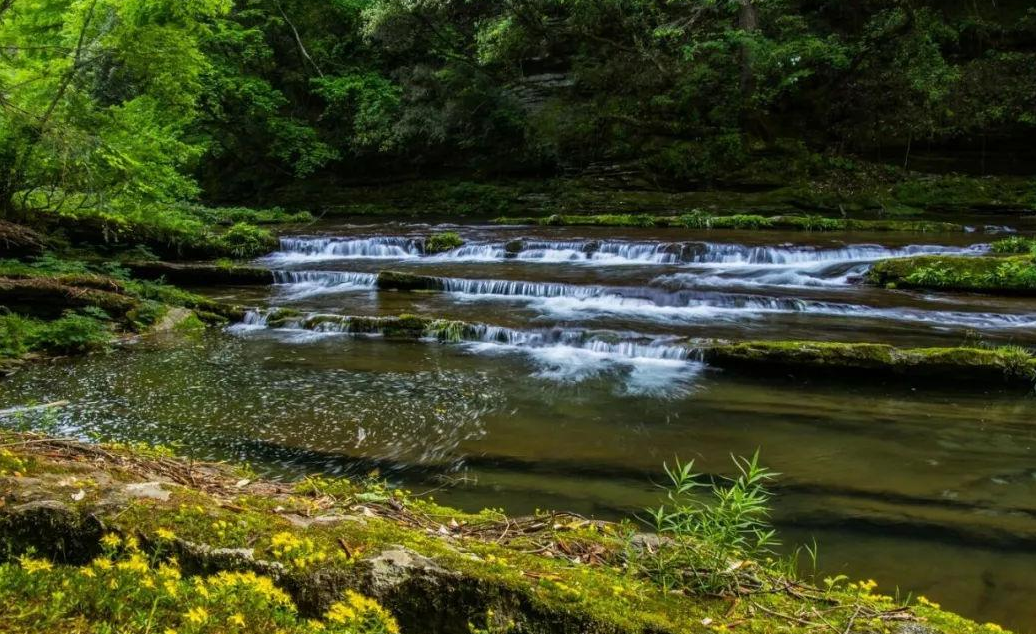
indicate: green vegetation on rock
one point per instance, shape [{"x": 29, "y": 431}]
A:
[
  {"x": 701, "y": 220},
  {"x": 442, "y": 242},
  {"x": 1012, "y": 275}
]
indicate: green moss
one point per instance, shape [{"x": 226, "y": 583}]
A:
[
  {"x": 702, "y": 220},
  {"x": 1004, "y": 275},
  {"x": 441, "y": 242},
  {"x": 978, "y": 365},
  {"x": 956, "y": 193},
  {"x": 399, "y": 281}
]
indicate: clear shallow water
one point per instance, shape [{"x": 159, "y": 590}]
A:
[{"x": 933, "y": 490}]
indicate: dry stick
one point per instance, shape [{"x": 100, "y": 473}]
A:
[
  {"x": 852, "y": 619},
  {"x": 783, "y": 616}
]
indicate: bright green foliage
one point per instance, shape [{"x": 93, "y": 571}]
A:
[
  {"x": 709, "y": 529},
  {"x": 74, "y": 332},
  {"x": 1014, "y": 244},
  {"x": 439, "y": 242},
  {"x": 97, "y": 96},
  {"x": 1016, "y": 274}
]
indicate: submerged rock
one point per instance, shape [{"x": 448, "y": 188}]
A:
[{"x": 398, "y": 281}]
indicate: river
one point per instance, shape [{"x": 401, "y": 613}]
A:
[{"x": 576, "y": 391}]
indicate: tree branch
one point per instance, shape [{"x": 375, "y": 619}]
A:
[{"x": 298, "y": 40}]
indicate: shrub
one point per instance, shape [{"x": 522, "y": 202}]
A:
[
  {"x": 72, "y": 333},
  {"x": 15, "y": 332},
  {"x": 245, "y": 241},
  {"x": 440, "y": 242},
  {"x": 1014, "y": 244}
]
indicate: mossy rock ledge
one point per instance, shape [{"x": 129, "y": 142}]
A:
[
  {"x": 961, "y": 365},
  {"x": 201, "y": 274},
  {"x": 436, "y": 569},
  {"x": 995, "y": 275}
]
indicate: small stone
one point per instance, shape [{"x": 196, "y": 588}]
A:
[{"x": 151, "y": 490}]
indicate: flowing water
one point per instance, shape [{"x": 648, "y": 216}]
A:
[{"x": 580, "y": 383}]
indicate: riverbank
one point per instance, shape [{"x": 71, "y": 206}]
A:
[
  {"x": 435, "y": 569},
  {"x": 57, "y": 307}
]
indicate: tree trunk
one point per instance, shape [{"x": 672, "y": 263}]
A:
[{"x": 747, "y": 21}]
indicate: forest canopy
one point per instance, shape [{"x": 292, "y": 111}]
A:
[{"x": 121, "y": 105}]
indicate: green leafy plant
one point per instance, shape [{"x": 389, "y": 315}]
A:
[
  {"x": 244, "y": 240},
  {"x": 710, "y": 532},
  {"x": 440, "y": 242}
]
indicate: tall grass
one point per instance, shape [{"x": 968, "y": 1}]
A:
[{"x": 710, "y": 530}]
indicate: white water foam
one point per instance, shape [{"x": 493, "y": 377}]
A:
[
  {"x": 572, "y": 302},
  {"x": 307, "y": 249},
  {"x": 300, "y": 284}
]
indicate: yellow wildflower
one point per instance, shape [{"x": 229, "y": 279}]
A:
[
  {"x": 237, "y": 619},
  {"x": 102, "y": 563},
  {"x": 340, "y": 613},
  {"x": 136, "y": 563},
  {"x": 197, "y": 615},
  {"x": 166, "y": 534},
  {"x": 923, "y": 600},
  {"x": 111, "y": 540},
  {"x": 31, "y": 565}
]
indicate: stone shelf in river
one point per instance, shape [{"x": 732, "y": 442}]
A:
[{"x": 980, "y": 366}]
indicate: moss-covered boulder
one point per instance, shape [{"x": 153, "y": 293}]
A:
[
  {"x": 399, "y": 281},
  {"x": 201, "y": 274},
  {"x": 442, "y": 242},
  {"x": 977, "y": 366},
  {"x": 1008, "y": 275}
]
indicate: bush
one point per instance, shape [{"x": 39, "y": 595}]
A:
[
  {"x": 441, "y": 242},
  {"x": 1014, "y": 244},
  {"x": 245, "y": 241},
  {"x": 15, "y": 332},
  {"x": 72, "y": 333}
]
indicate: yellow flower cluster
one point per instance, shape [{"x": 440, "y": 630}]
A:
[
  {"x": 357, "y": 610},
  {"x": 10, "y": 464},
  {"x": 31, "y": 565},
  {"x": 126, "y": 586},
  {"x": 298, "y": 551},
  {"x": 252, "y": 583}
]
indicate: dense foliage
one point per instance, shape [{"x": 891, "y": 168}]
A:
[{"x": 127, "y": 106}]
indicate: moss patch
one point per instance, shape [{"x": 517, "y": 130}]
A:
[
  {"x": 1014, "y": 275},
  {"x": 442, "y": 242},
  {"x": 702, "y": 220}
]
